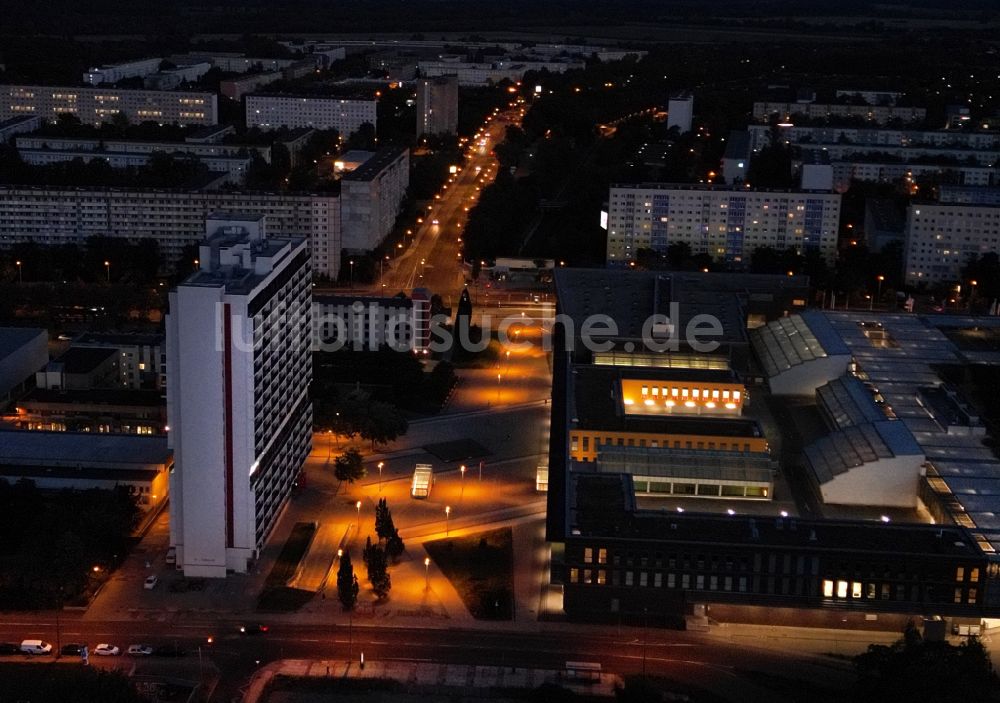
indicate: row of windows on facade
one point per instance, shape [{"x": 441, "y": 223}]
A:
[
  {"x": 800, "y": 563},
  {"x": 854, "y": 590},
  {"x": 677, "y": 444}
]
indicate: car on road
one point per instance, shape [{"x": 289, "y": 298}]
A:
[
  {"x": 72, "y": 648},
  {"x": 107, "y": 650},
  {"x": 139, "y": 650},
  {"x": 434, "y": 221},
  {"x": 8, "y": 648},
  {"x": 253, "y": 629},
  {"x": 150, "y": 583},
  {"x": 36, "y": 647}
]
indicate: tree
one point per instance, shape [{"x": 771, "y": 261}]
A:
[
  {"x": 347, "y": 582},
  {"x": 384, "y": 526},
  {"x": 914, "y": 670},
  {"x": 378, "y": 570},
  {"x": 349, "y": 466},
  {"x": 394, "y": 545}
]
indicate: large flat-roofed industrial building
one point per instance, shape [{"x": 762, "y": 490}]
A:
[
  {"x": 893, "y": 507},
  {"x": 59, "y": 460}
]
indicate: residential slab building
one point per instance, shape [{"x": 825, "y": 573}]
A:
[
  {"x": 371, "y": 197},
  {"x": 174, "y": 219},
  {"x": 346, "y": 115},
  {"x": 724, "y": 222},
  {"x": 940, "y": 238},
  {"x": 437, "y": 105},
  {"x": 96, "y": 105},
  {"x": 239, "y": 369}
]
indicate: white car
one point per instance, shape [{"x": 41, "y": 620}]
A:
[
  {"x": 150, "y": 583},
  {"x": 139, "y": 650},
  {"x": 107, "y": 650},
  {"x": 434, "y": 222}
]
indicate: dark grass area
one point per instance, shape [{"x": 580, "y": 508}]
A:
[
  {"x": 291, "y": 554},
  {"x": 457, "y": 450},
  {"x": 283, "y": 599},
  {"x": 276, "y": 596},
  {"x": 64, "y": 683},
  {"x": 481, "y": 568}
]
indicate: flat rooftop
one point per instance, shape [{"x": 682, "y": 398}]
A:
[
  {"x": 598, "y": 406},
  {"x": 601, "y": 507},
  {"x": 81, "y": 449},
  {"x": 630, "y": 298},
  {"x": 13, "y": 338},
  {"x": 96, "y": 396},
  {"x": 373, "y": 166},
  {"x": 85, "y": 359}
]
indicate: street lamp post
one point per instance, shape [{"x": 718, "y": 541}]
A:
[
  {"x": 107, "y": 270},
  {"x": 447, "y": 520},
  {"x": 480, "y": 469},
  {"x": 498, "y": 388},
  {"x": 427, "y": 573},
  {"x": 351, "y": 262},
  {"x": 358, "y": 506},
  {"x": 462, "y": 469},
  {"x": 972, "y": 293},
  {"x": 380, "y": 465},
  {"x": 880, "y": 278},
  {"x": 20, "y": 278}
]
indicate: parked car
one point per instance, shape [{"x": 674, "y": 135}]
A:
[
  {"x": 139, "y": 650},
  {"x": 72, "y": 648},
  {"x": 36, "y": 647},
  {"x": 172, "y": 555},
  {"x": 106, "y": 650},
  {"x": 150, "y": 583},
  {"x": 8, "y": 648},
  {"x": 253, "y": 629}
]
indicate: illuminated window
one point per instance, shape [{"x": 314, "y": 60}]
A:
[
  {"x": 856, "y": 589},
  {"x": 656, "y": 391},
  {"x": 601, "y": 577},
  {"x": 715, "y": 395},
  {"x": 602, "y": 556},
  {"x": 673, "y": 392},
  {"x": 972, "y": 596},
  {"x": 841, "y": 589},
  {"x": 684, "y": 392},
  {"x": 588, "y": 555},
  {"x": 974, "y": 576},
  {"x": 871, "y": 591},
  {"x": 586, "y": 576},
  {"x": 958, "y": 595},
  {"x": 645, "y": 390},
  {"x": 736, "y": 395},
  {"x": 574, "y": 575},
  {"x": 960, "y": 573},
  {"x": 695, "y": 393}
]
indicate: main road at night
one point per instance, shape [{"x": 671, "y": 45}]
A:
[{"x": 730, "y": 669}]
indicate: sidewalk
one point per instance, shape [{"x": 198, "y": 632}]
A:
[{"x": 455, "y": 679}]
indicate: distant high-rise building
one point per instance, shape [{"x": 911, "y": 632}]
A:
[
  {"x": 680, "y": 112},
  {"x": 239, "y": 366},
  {"x": 437, "y": 105}
]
